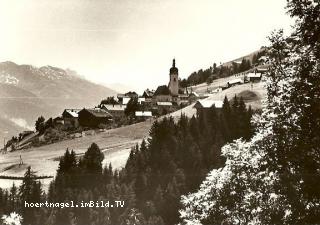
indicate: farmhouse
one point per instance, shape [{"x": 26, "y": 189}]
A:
[
  {"x": 143, "y": 114},
  {"x": 262, "y": 70},
  {"x": 148, "y": 94},
  {"x": 234, "y": 82},
  {"x": 94, "y": 117},
  {"x": 70, "y": 118},
  {"x": 114, "y": 110},
  {"x": 205, "y": 106},
  {"x": 131, "y": 94},
  {"x": 254, "y": 77},
  {"x": 193, "y": 96},
  {"x": 58, "y": 121}
]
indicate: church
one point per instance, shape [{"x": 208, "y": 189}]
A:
[{"x": 169, "y": 93}]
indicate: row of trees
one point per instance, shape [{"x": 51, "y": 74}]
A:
[
  {"x": 172, "y": 162},
  {"x": 215, "y": 72}
]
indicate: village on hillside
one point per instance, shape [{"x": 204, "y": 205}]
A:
[{"x": 128, "y": 108}]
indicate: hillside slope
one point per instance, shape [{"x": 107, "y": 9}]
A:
[
  {"x": 27, "y": 92},
  {"x": 115, "y": 143}
]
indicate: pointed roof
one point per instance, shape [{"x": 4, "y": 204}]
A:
[
  {"x": 174, "y": 69},
  {"x": 162, "y": 90}
]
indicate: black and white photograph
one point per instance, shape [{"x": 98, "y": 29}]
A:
[{"x": 159, "y": 112}]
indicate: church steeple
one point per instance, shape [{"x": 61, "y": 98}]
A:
[
  {"x": 174, "y": 79},
  {"x": 174, "y": 69}
]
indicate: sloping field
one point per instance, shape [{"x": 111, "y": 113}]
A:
[{"x": 115, "y": 143}]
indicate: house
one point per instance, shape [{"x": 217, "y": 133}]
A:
[
  {"x": 164, "y": 107},
  {"x": 234, "y": 82},
  {"x": 193, "y": 96},
  {"x": 162, "y": 94},
  {"x": 148, "y": 94},
  {"x": 123, "y": 99},
  {"x": 114, "y": 110},
  {"x": 143, "y": 114},
  {"x": 205, "y": 106},
  {"x": 120, "y": 97},
  {"x": 131, "y": 94},
  {"x": 254, "y": 77},
  {"x": 58, "y": 121},
  {"x": 141, "y": 100},
  {"x": 94, "y": 117},
  {"x": 70, "y": 118},
  {"x": 262, "y": 70}
]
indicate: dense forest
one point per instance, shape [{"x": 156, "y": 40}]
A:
[{"x": 172, "y": 162}]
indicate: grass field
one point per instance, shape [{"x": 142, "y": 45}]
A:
[{"x": 115, "y": 143}]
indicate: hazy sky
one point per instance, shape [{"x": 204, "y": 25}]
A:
[{"x": 133, "y": 41}]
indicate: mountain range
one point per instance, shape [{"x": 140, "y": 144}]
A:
[{"x": 26, "y": 92}]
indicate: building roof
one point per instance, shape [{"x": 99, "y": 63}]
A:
[
  {"x": 173, "y": 69},
  {"x": 162, "y": 90},
  {"x": 97, "y": 112},
  {"x": 205, "y": 103},
  {"x": 121, "y": 95},
  {"x": 125, "y": 100},
  {"x": 235, "y": 81},
  {"x": 263, "y": 69},
  {"x": 148, "y": 93},
  {"x": 164, "y": 103},
  {"x": 131, "y": 93},
  {"x": 143, "y": 113},
  {"x": 73, "y": 112},
  {"x": 141, "y": 99},
  {"x": 254, "y": 75},
  {"x": 111, "y": 107},
  {"x": 194, "y": 93}
]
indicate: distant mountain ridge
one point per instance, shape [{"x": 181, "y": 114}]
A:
[{"x": 27, "y": 92}]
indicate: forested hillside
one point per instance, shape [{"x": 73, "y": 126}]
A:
[
  {"x": 224, "y": 70},
  {"x": 172, "y": 162}
]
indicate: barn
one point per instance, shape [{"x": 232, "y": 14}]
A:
[
  {"x": 114, "y": 110},
  {"x": 254, "y": 77},
  {"x": 94, "y": 117},
  {"x": 205, "y": 106},
  {"x": 70, "y": 118}
]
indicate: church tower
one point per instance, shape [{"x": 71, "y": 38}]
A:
[{"x": 174, "y": 79}]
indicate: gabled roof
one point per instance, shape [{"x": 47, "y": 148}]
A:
[
  {"x": 164, "y": 103},
  {"x": 72, "y": 112},
  {"x": 113, "y": 107},
  {"x": 255, "y": 75},
  {"x": 208, "y": 104},
  {"x": 143, "y": 113},
  {"x": 97, "y": 112},
  {"x": 235, "y": 81},
  {"x": 162, "y": 90},
  {"x": 121, "y": 95},
  {"x": 131, "y": 93},
  {"x": 148, "y": 93},
  {"x": 125, "y": 100}
]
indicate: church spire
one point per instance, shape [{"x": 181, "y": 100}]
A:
[{"x": 174, "y": 69}]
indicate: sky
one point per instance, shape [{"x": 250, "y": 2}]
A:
[{"x": 133, "y": 42}]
